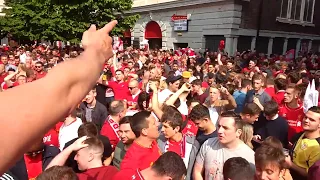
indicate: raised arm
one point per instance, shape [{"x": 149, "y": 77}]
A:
[
  {"x": 61, "y": 90},
  {"x": 184, "y": 88},
  {"x": 62, "y": 157},
  {"x": 8, "y": 78},
  {"x": 155, "y": 102}
]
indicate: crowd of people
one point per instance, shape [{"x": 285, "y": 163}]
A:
[{"x": 162, "y": 114}]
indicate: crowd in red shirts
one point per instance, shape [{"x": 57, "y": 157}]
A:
[{"x": 224, "y": 117}]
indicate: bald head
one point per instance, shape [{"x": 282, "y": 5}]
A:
[
  {"x": 133, "y": 82},
  {"x": 116, "y": 108},
  {"x": 134, "y": 87}
]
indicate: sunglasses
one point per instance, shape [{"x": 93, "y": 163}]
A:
[
  {"x": 38, "y": 66},
  {"x": 130, "y": 88}
]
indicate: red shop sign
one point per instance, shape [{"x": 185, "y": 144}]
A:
[{"x": 178, "y": 17}]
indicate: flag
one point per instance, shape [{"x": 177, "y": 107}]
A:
[
  {"x": 290, "y": 55},
  {"x": 311, "y": 97}
]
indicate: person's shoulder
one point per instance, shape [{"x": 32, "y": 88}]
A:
[
  {"x": 282, "y": 120},
  {"x": 100, "y": 106},
  {"x": 246, "y": 148},
  {"x": 67, "y": 144},
  {"x": 51, "y": 151},
  {"x": 134, "y": 148},
  {"x": 125, "y": 174},
  {"x": 78, "y": 121},
  {"x": 212, "y": 142},
  {"x": 265, "y": 94},
  {"x": 106, "y": 128},
  {"x": 120, "y": 146},
  {"x": 250, "y": 92},
  {"x": 110, "y": 171}
]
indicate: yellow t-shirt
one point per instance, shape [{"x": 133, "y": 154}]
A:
[{"x": 306, "y": 152}]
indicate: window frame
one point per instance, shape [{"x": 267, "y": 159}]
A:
[{"x": 289, "y": 18}]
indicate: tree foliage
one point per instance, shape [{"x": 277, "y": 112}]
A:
[{"x": 61, "y": 19}]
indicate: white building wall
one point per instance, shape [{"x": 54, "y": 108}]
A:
[{"x": 213, "y": 19}]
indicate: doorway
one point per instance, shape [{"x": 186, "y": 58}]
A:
[{"x": 154, "y": 35}]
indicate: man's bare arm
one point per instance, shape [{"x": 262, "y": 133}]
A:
[{"x": 28, "y": 111}]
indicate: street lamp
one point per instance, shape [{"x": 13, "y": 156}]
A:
[{"x": 259, "y": 22}]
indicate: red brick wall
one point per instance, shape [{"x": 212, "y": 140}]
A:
[{"x": 271, "y": 10}]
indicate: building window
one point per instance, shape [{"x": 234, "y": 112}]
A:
[{"x": 297, "y": 10}]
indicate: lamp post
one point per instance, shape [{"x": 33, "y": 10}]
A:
[{"x": 259, "y": 22}]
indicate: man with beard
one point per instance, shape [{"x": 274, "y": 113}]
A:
[
  {"x": 126, "y": 139},
  {"x": 40, "y": 73}
]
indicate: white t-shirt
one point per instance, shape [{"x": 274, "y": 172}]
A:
[
  {"x": 213, "y": 155},
  {"x": 67, "y": 133},
  {"x": 183, "y": 108},
  {"x": 214, "y": 115},
  {"x": 23, "y": 58},
  {"x": 163, "y": 95}
]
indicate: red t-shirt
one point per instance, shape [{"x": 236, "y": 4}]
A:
[
  {"x": 40, "y": 75},
  {"x": 140, "y": 84},
  {"x": 294, "y": 118},
  {"x": 139, "y": 157},
  {"x": 176, "y": 147},
  {"x": 244, "y": 70},
  {"x": 270, "y": 91},
  {"x": 100, "y": 173},
  {"x": 33, "y": 165},
  {"x": 109, "y": 132},
  {"x": 132, "y": 100},
  {"x": 51, "y": 138},
  {"x": 5, "y": 86},
  {"x": 191, "y": 129},
  {"x": 279, "y": 96},
  {"x": 128, "y": 174},
  {"x": 120, "y": 89},
  {"x": 4, "y": 75}
]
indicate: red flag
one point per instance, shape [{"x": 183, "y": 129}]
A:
[{"x": 290, "y": 54}]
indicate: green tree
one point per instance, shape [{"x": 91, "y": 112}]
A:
[{"x": 63, "y": 20}]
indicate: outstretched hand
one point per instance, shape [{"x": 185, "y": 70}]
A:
[{"x": 99, "y": 40}]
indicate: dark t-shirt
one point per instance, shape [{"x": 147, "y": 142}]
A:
[
  {"x": 202, "y": 98},
  {"x": 201, "y": 137},
  {"x": 277, "y": 128}
]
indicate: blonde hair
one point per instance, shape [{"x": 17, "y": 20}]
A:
[{"x": 247, "y": 134}]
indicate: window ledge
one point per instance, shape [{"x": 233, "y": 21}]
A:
[{"x": 291, "y": 21}]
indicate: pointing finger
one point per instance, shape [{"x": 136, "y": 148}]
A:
[
  {"x": 108, "y": 27},
  {"x": 93, "y": 27}
]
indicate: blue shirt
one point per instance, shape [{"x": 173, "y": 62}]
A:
[{"x": 240, "y": 98}]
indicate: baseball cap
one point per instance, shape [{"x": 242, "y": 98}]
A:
[
  {"x": 186, "y": 74},
  {"x": 172, "y": 79}
]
